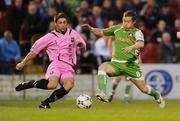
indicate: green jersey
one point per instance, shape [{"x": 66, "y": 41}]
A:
[{"x": 124, "y": 38}]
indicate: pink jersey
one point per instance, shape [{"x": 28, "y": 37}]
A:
[{"x": 59, "y": 46}]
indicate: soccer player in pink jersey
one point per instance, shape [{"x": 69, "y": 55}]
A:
[{"x": 60, "y": 45}]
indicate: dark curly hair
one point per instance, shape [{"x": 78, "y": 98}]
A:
[
  {"x": 60, "y": 15},
  {"x": 131, "y": 14}
]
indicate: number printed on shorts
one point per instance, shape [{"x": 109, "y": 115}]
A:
[{"x": 138, "y": 74}]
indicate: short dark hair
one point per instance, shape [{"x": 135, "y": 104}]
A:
[
  {"x": 60, "y": 15},
  {"x": 131, "y": 14}
]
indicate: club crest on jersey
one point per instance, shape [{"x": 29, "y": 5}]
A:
[
  {"x": 72, "y": 39},
  {"x": 52, "y": 72},
  {"x": 130, "y": 35}
]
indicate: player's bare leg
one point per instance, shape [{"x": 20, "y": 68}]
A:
[
  {"x": 51, "y": 83},
  {"x": 140, "y": 84},
  {"x": 66, "y": 85},
  {"x": 103, "y": 71}
]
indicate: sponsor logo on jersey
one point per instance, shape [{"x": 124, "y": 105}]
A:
[
  {"x": 123, "y": 39},
  {"x": 130, "y": 36}
]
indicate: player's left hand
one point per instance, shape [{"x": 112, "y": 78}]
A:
[
  {"x": 20, "y": 66},
  {"x": 127, "y": 49}
]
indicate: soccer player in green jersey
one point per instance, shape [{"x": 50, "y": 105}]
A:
[{"x": 128, "y": 40}]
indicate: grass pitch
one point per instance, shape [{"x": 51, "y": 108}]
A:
[{"x": 65, "y": 110}]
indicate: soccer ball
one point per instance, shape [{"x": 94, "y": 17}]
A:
[{"x": 84, "y": 101}]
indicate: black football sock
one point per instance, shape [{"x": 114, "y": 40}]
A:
[
  {"x": 41, "y": 84},
  {"x": 56, "y": 95}
]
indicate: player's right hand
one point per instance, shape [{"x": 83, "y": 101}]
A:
[
  {"x": 20, "y": 66},
  {"x": 87, "y": 26}
]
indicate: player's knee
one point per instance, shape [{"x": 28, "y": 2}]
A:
[
  {"x": 52, "y": 84},
  {"x": 144, "y": 90},
  {"x": 68, "y": 85},
  {"x": 102, "y": 67}
]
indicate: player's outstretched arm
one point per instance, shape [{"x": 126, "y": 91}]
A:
[
  {"x": 96, "y": 31},
  {"x": 178, "y": 35},
  {"x": 28, "y": 57}
]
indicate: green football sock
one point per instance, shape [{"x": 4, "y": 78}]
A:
[
  {"x": 115, "y": 84},
  {"x": 127, "y": 90},
  {"x": 102, "y": 81},
  {"x": 153, "y": 92}
]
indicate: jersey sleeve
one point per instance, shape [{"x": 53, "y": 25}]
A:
[
  {"x": 139, "y": 36},
  {"x": 109, "y": 31},
  {"x": 41, "y": 43},
  {"x": 79, "y": 40}
]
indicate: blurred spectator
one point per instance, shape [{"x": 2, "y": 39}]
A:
[
  {"x": 8, "y": 2},
  {"x": 41, "y": 8},
  {"x": 2, "y": 5},
  {"x": 97, "y": 20},
  {"x": 46, "y": 3},
  {"x": 15, "y": 18},
  {"x": 85, "y": 10},
  {"x": 32, "y": 25},
  {"x": 9, "y": 53},
  {"x": 136, "y": 6},
  {"x": 166, "y": 49},
  {"x": 101, "y": 50},
  {"x": 175, "y": 29},
  {"x": 175, "y": 7},
  {"x": 3, "y": 18},
  {"x": 147, "y": 33},
  {"x": 177, "y": 52},
  {"x": 149, "y": 13},
  {"x": 166, "y": 15},
  {"x": 3, "y": 22},
  {"x": 119, "y": 9},
  {"x": 81, "y": 15},
  {"x": 149, "y": 53},
  {"x": 60, "y": 6},
  {"x": 87, "y": 60},
  {"x": 95, "y": 2},
  {"x": 48, "y": 17},
  {"x": 162, "y": 2},
  {"x": 81, "y": 20},
  {"x": 51, "y": 26},
  {"x": 178, "y": 34},
  {"x": 177, "y": 49},
  {"x": 107, "y": 9},
  {"x": 157, "y": 34},
  {"x": 75, "y": 17}
]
